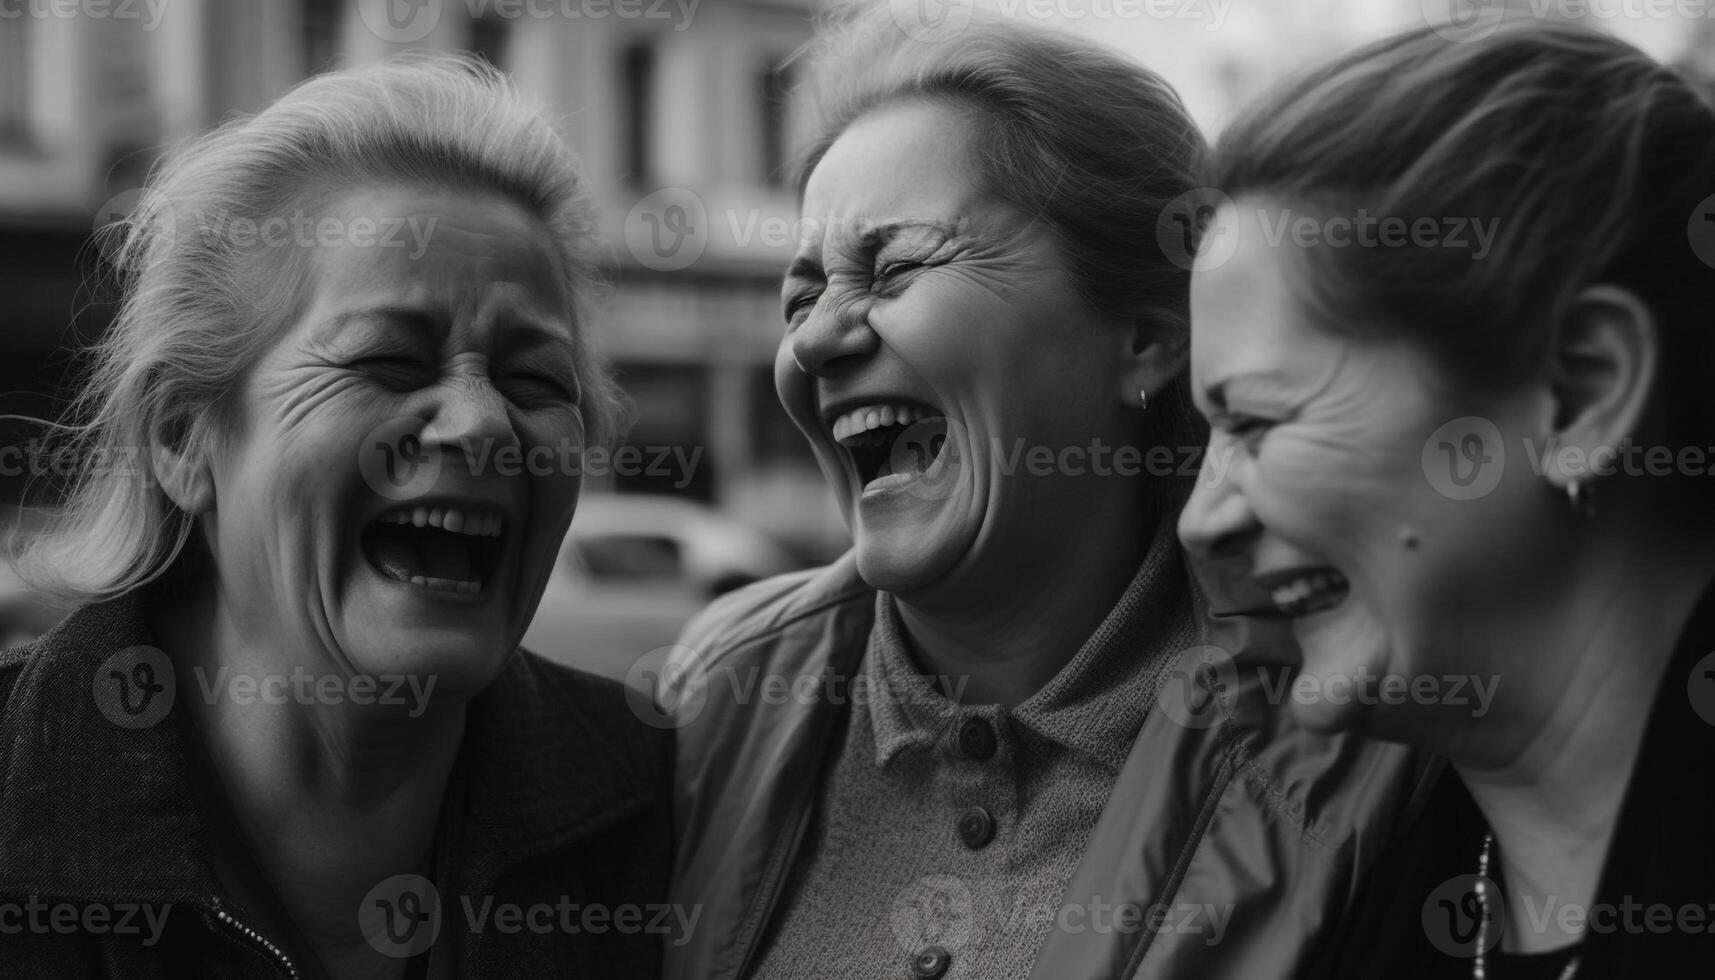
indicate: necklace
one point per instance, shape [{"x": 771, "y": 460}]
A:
[{"x": 1478, "y": 967}]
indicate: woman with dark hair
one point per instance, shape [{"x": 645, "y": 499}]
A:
[
  {"x": 1468, "y": 402},
  {"x": 289, "y": 732},
  {"x": 975, "y": 746}
]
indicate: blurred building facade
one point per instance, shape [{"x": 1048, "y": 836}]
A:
[{"x": 678, "y": 108}]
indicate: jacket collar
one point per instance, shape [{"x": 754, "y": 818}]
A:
[
  {"x": 1094, "y": 705},
  {"x": 91, "y": 807}
]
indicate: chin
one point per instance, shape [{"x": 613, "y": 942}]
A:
[{"x": 459, "y": 665}]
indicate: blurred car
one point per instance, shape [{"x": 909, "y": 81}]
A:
[{"x": 633, "y": 570}]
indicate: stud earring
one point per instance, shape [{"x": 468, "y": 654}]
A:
[
  {"x": 1582, "y": 497},
  {"x": 1143, "y": 399}
]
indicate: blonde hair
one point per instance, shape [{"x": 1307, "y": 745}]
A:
[{"x": 194, "y": 315}]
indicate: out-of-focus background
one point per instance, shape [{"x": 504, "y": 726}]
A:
[{"x": 683, "y": 114}]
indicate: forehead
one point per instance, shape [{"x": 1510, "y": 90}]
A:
[
  {"x": 1247, "y": 317},
  {"x": 444, "y": 249},
  {"x": 906, "y": 159}
]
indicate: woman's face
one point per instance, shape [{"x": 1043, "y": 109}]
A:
[
  {"x": 934, "y": 339},
  {"x": 374, "y": 501},
  {"x": 1337, "y": 505}
]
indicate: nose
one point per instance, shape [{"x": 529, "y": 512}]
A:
[
  {"x": 470, "y": 416},
  {"x": 835, "y": 331},
  {"x": 1217, "y": 521}
]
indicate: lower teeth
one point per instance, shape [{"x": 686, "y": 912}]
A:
[{"x": 473, "y": 587}]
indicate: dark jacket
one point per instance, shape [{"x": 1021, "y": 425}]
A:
[
  {"x": 1416, "y": 918},
  {"x": 1250, "y": 814},
  {"x": 105, "y": 866}
]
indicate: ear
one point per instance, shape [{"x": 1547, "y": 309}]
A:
[
  {"x": 1602, "y": 369},
  {"x": 1150, "y": 359},
  {"x": 181, "y": 463}
]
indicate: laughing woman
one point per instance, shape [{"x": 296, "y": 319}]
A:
[
  {"x": 291, "y": 722},
  {"x": 1456, "y": 466},
  {"x": 967, "y": 748}
]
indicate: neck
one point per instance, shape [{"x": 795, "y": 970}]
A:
[
  {"x": 331, "y": 798},
  {"x": 1004, "y": 639},
  {"x": 1554, "y": 801}
]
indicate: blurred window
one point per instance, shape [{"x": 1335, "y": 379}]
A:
[
  {"x": 321, "y": 23},
  {"x": 631, "y": 557},
  {"x": 637, "y": 100},
  {"x": 489, "y": 35},
  {"x": 14, "y": 82},
  {"x": 775, "y": 83}
]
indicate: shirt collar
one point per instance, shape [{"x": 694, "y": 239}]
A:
[{"x": 1095, "y": 704}]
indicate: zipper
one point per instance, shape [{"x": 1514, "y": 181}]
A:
[{"x": 256, "y": 941}]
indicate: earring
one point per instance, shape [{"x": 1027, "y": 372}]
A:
[
  {"x": 1143, "y": 399},
  {"x": 1582, "y": 497}
]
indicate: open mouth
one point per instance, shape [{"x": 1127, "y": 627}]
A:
[
  {"x": 1301, "y": 592},
  {"x": 893, "y": 443},
  {"x": 442, "y": 549}
]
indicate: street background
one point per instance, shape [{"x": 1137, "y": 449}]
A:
[{"x": 683, "y": 114}]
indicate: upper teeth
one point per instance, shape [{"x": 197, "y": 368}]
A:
[
  {"x": 1300, "y": 591},
  {"x": 480, "y": 523},
  {"x": 866, "y": 417}
]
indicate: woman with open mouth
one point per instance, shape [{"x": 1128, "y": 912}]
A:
[
  {"x": 290, "y": 733},
  {"x": 1475, "y": 485},
  {"x": 970, "y": 747}
]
